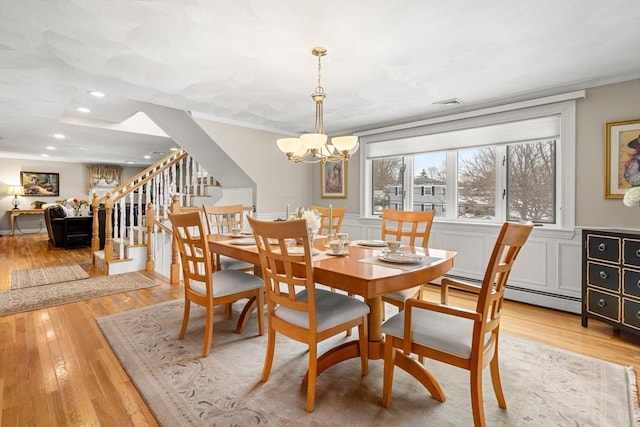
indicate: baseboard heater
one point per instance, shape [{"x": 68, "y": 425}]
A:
[{"x": 520, "y": 289}]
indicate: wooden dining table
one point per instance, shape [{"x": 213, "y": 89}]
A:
[{"x": 359, "y": 273}]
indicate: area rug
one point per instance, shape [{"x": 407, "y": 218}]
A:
[
  {"x": 544, "y": 386},
  {"x": 34, "y": 298},
  {"x": 45, "y": 276}
]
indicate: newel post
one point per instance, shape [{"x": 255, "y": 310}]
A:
[
  {"x": 150, "y": 223},
  {"x": 95, "y": 226},
  {"x": 175, "y": 255}
]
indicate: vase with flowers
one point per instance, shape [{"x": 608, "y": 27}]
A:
[
  {"x": 311, "y": 217},
  {"x": 77, "y": 205}
]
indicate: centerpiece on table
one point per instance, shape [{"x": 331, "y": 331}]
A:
[{"x": 311, "y": 217}]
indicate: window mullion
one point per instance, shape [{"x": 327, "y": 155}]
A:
[{"x": 501, "y": 183}]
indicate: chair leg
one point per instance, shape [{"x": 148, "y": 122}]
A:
[
  {"x": 208, "y": 332},
  {"x": 260, "y": 312},
  {"x": 364, "y": 347},
  {"x": 311, "y": 377},
  {"x": 268, "y": 356},
  {"x": 229, "y": 310},
  {"x": 477, "y": 406},
  {"x": 495, "y": 380},
  {"x": 387, "y": 377},
  {"x": 185, "y": 318}
]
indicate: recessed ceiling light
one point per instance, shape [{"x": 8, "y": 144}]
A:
[
  {"x": 174, "y": 149},
  {"x": 44, "y": 155},
  {"x": 97, "y": 94},
  {"x": 59, "y": 136},
  {"x": 147, "y": 157},
  {"x": 130, "y": 162},
  {"x": 50, "y": 147},
  {"x": 83, "y": 110}
]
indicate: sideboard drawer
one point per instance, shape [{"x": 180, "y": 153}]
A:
[
  {"x": 604, "y": 248},
  {"x": 604, "y": 305},
  {"x": 631, "y": 251},
  {"x": 631, "y": 313},
  {"x": 603, "y": 276},
  {"x": 631, "y": 282}
]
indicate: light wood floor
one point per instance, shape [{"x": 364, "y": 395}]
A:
[{"x": 57, "y": 369}]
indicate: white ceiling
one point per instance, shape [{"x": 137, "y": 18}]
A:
[{"x": 250, "y": 63}]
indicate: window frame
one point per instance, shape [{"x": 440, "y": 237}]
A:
[{"x": 564, "y": 106}]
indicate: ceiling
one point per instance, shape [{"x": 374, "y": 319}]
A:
[{"x": 249, "y": 63}]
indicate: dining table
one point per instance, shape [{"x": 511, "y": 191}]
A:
[{"x": 361, "y": 271}]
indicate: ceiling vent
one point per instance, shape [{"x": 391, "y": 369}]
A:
[{"x": 452, "y": 101}]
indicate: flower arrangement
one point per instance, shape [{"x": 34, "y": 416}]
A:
[
  {"x": 310, "y": 216},
  {"x": 632, "y": 197},
  {"x": 76, "y": 205}
]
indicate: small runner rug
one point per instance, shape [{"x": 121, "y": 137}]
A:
[
  {"x": 544, "y": 386},
  {"x": 34, "y": 298},
  {"x": 44, "y": 276}
]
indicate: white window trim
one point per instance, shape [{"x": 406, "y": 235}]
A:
[{"x": 563, "y": 104}]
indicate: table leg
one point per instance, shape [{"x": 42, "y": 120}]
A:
[{"x": 13, "y": 223}]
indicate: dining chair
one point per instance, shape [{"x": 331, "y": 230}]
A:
[
  {"x": 457, "y": 336},
  {"x": 202, "y": 284},
  {"x": 220, "y": 220},
  {"x": 413, "y": 228},
  {"x": 337, "y": 215},
  {"x": 296, "y": 308}
]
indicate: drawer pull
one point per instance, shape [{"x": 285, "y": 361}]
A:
[
  {"x": 638, "y": 253},
  {"x": 603, "y": 274},
  {"x": 602, "y": 302},
  {"x": 638, "y": 315},
  {"x": 602, "y": 247}
]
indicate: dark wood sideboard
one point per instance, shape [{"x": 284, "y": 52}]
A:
[{"x": 611, "y": 278}]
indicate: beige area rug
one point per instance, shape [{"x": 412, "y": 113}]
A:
[
  {"x": 45, "y": 276},
  {"x": 34, "y": 298},
  {"x": 544, "y": 386}
]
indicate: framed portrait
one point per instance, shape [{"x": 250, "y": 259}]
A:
[
  {"x": 333, "y": 178},
  {"x": 40, "y": 183},
  {"x": 622, "y": 158}
]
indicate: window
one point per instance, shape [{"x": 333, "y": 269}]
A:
[{"x": 509, "y": 166}]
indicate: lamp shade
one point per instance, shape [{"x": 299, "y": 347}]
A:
[
  {"x": 344, "y": 143},
  {"x": 313, "y": 141},
  {"x": 289, "y": 145},
  {"x": 15, "y": 190}
]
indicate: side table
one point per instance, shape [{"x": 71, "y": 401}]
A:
[{"x": 17, "y": 212}]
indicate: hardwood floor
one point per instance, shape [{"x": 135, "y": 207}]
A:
[{"x": 57, "y": 369}]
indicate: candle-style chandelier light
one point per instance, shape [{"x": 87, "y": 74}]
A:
[{"x": 315, "y": 147}]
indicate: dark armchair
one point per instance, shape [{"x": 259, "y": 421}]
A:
[{"x": 66, "y": 230}]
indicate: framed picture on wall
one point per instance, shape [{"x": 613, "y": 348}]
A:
[
  {"x": 333, "y": 179},
  {"x": 40, "y": 183},
  {"x": 622, "y": 158}
]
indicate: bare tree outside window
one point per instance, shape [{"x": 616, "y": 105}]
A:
[
  {"x": 477, "y": 183},
  {"x": 531, "y": 188},
  {"x": 387, "y": 178}
]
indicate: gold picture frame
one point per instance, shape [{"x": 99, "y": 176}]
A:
[
  {"x": 333, "y": 180},
  {"x": 622, "y": 157}
]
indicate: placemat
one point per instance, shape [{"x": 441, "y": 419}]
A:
[{"x": 407, "y": 267}]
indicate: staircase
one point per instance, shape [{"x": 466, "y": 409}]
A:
[{"x": 128, "y": 217}]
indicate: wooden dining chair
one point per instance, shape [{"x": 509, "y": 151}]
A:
[
  {"x": 202, "y": 284},
  {"x": 220, "y": 220},
  {"x": 297, "y": 309},
  {"x": 412, "y": 228},
  {"x": 337, "y": 215},
  {"x": 457, "y": 336}
]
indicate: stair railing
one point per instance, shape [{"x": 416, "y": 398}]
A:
[{"x": 155, "y": 187}]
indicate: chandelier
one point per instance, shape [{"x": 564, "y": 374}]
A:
[{"x": 315, "y": 147}]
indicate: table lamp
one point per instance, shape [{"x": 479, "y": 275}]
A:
[{"x": 16, "y": 190}]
